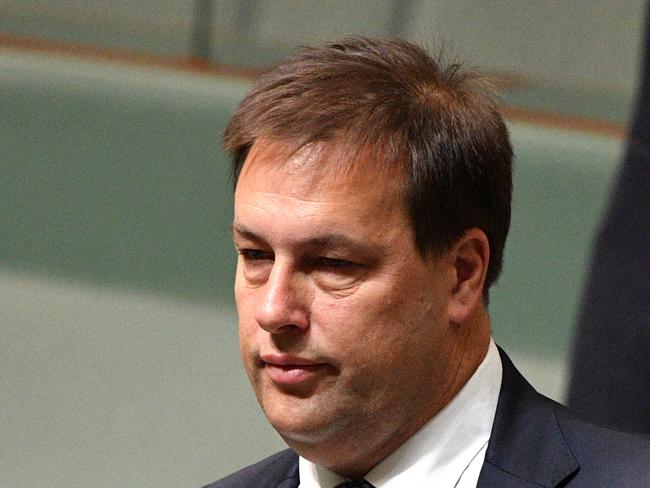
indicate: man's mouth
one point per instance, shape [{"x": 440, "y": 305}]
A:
[{"x": 290, "y": 370}]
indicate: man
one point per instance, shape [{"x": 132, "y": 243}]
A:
[{"x": 372, "y": 205}]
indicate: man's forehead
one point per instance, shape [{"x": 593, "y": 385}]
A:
[
  {"x": 316, "y": 175},
  {"x": 335, "y": 161}
]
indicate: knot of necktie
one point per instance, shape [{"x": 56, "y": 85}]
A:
[{"x": 355, "y": 484}]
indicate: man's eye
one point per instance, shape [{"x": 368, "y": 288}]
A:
[
  {"x": 334, "y": 263},
  {"x": 336, "y": 274},
  {"x": 255, "y": 254},
  {"x": 255, "y": 264}
]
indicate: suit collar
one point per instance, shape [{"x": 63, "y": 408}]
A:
[
  {"x": 527, "y": 447},
  {"x": 289, "y": 478}
]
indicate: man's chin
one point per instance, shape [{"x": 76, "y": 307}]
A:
[
  {"x": 306, "y": 426},
  {"x": 298, "y": 429}
]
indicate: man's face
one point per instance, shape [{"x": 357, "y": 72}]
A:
[{"x": 343, "y": 324}]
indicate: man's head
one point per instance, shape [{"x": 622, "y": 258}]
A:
[
  {"x": 436, "y": 123},
  {"x": 371, "y": 186}
]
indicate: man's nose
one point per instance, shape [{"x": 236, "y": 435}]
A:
[{"x": 283, "y": 305}]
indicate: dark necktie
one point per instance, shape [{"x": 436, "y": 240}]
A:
[{"x": 355, "y": 484}]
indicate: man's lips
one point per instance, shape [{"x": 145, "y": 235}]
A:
[{"x": 290, "y": 370}]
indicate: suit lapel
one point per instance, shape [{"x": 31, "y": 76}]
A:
[
  {"x": 288, "y": 483},
  {"x": 526, "y": 446},
  {"x": 290, "y": 477}
]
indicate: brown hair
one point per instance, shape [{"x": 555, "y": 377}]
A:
[{"x": 437, "y": 122}]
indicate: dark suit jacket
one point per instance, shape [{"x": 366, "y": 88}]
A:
[{"x": 535, "y": 442}]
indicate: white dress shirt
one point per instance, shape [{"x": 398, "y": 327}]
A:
[{"x": 447, "y": 452}]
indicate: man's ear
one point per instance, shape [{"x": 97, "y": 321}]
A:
[{"x": 470, "y": 255}]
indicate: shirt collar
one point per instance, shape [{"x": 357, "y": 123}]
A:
[{"x": 438, "y": 453}]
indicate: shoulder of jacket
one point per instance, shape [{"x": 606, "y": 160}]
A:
[{"x": 268, "y": 472}]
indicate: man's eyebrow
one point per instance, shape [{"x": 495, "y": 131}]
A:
[
  {"x": 326, "y": 241},
  {"x": 336, "y": 240},
  {"x": 243, "y": 231}
]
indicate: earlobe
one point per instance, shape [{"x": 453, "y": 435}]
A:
[{"x": 471, "y": 255}]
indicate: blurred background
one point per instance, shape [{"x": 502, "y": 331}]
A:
[{"x": 118, "y": 336}]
